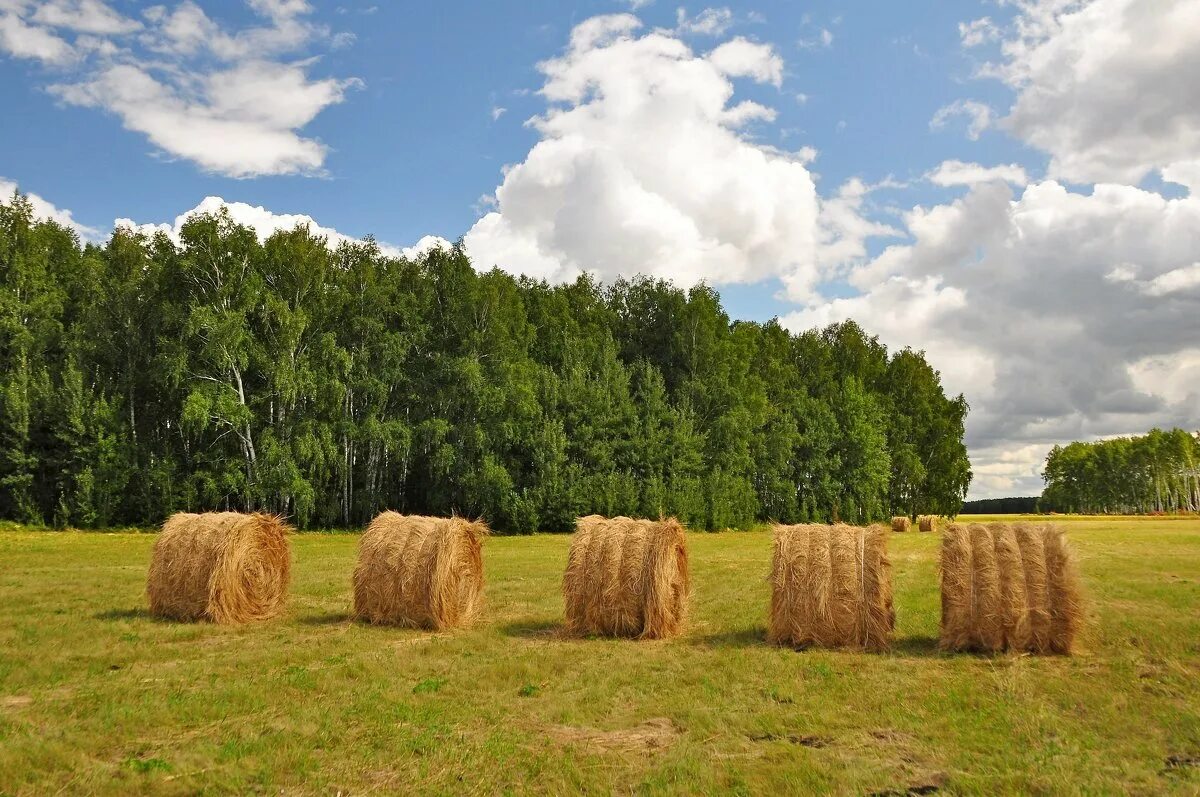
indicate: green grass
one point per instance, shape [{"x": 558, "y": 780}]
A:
[{"x": 96, "y": 697}]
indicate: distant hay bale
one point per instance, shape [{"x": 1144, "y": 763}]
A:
[
  {"x": 927, "y": 523},
  {"x": 626, "y": 578},
  {"x": 420, "y": 572},
  {"x": 225, "y": 567},
  {"x": 901, "y": 524},
  {"x": 831, "y": 586},
  {"x": 1008, "y": 588}
]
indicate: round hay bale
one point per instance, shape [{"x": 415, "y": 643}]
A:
[
  {"x": 626, "y": 578},
  {"x": 1031, "y": 540},
  {"x": 1063, "y": 592},
  {"x": 1011, "y": 588},
  {"x": 420, "y": 572},
  {"x": 789, "y": 612},
  {"x": 225, "y": 567},
  {"x": 901, "y": 524},
  {"x": 831, "y": 587},
  {"x": 956, "y": 577},
  {"x": 927, "y": 523},
  {"x": 987, "y": 632},
  {"x": 879, "y": 611},
  {"x": 1013, "y": 605},
  {"x": 818, "y": 585}
]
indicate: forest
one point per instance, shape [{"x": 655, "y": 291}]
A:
[
  {"x": 144, "y": 376},
  {"x": 1157, "y": 472},
  {"x": 1001, "y": 506}
]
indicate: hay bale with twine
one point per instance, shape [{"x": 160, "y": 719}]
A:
[
  {"x": 626, "y": 578},
  {"x": 1008, "y": 588},
  {"x": 831, "y": 586},
  {"x": 901, "y": 524},
  {"x": 420, "y": 572},
  {"x": 224, "y": 567},
  {"x": 927, "y": 523}
]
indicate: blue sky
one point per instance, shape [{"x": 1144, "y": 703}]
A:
[
  {"x": 1006, "y": 186},
  {"x": 416, "y": 146}
]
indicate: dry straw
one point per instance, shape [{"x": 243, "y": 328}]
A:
[
  {"x": 1008, "y": 588},
  {"x": 901, "y": 524},
  {"x": 420, "y": 572},
  {"x": 225, "y": 567},
  {"x": 626, "y": 578},
  {"x": 927, "y": 523},
  {"x": 831, "y": 586}
]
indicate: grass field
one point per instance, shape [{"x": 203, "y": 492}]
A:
[{"x": 96, "y": 697}]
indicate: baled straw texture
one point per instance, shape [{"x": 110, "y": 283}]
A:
[
  {"x": 901, "y": 524},
  {"x": 225, "y": 567},
  {"x": 626, "y": 578},
  {"x": 420, "y": 572},
  {"x": 831, "y": 586},
  {"x": 1008, "y": 588},
  {"x": 927, "y": 523}
]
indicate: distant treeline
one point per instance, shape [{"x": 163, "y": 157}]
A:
[
  {"x": 1158, "y": 472},
  {"x": 1001, "y": 506},
  {"x": 143, "y": 376}
]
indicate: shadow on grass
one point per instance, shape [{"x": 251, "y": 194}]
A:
[
  {"x": 739, "y": 638},
  {"x": 126, "y": 614},
  {"x": 916, "y": 646},
  {"x": 334, "y": 618},
  {"x": 535, "y": 629}
]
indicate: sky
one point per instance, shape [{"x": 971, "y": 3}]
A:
[{"x": 1011, "y": 186}]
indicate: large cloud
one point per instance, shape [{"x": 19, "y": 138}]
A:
[
  {"x": 224, "y": 100},
  {"x": 1061, "y": 314},
  {"x": 1108, "y": 88},
  {"x": 644, "y": 167}
]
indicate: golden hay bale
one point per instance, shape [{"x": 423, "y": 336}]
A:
[
  {"x": 420, "y": 572},
  {"x": 1031, "y": 540},
  {"x": 901, "y": 524},
  {"x": 1062, "y": 592},
  {"x": 1011, "y": 607},
  {"x": 1007, "y": 587},
  {"x": 927, "y": 523},
  {"x": 987, "y": 630},
  {"x": 831, "y": 586},
  {"x": 626, "y": 577},
  {"x": 225, "y": 567},
  {"x": 956, "y": 587}
]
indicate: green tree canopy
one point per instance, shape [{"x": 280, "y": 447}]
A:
[{"x": 146, "y": 376}]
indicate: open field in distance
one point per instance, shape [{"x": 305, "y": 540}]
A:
[{"x": 97, "y": 697}]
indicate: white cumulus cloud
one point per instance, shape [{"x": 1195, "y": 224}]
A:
[
  {"x": 231, "y": 101},
  {"x": 709, "y": 22},
  {"x": 641, "y": 168},
  {"x": 979, "y": 117},
  {"x": 22, "y": 40},
  {"x": 956, "y": 172},
  {"x": 266, "y": 222},
  {"x": 1056, "y": 312},
  {"x": 42, "y": 209},
  {"x": 1107, "y": 87}
]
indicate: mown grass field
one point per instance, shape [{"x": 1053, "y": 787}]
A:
[{"x": 96, "y": 697}]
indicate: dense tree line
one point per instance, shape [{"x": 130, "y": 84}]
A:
[
  {"x": 1001, "y": 506},
  {"x": 1158, "y": 472},
  {"x": 145, "y": 376}
]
